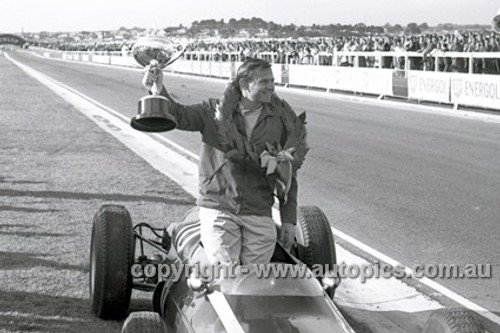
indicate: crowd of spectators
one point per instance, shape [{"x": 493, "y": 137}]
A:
[
  {"x": 81, "y": 46},
  {"x": 323, "y": 51}
]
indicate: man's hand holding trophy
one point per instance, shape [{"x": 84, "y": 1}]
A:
[
  {"x": 154, "y": 78},
  {"x": 154, "y": 53}
]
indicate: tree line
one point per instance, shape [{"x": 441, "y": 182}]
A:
[{"x": 274, "y": 30}]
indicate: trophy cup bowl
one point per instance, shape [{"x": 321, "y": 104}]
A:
[
  {"x": 495, "y": 23},
  {"x": 153, "y": 111}
]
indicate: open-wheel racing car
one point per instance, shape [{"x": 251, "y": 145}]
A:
[{"x": 243, "y": 301}]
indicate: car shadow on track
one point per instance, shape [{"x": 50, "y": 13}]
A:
[
  {"x": 16, "y": 260},
  {"x": 23, "y": 311},
  {"x": 95, "y": 196},
  {"x": 28, "y": 312},
  {"x": 26, "y": 210},
  {"x": 31, "y": 234},
  {"x": 6, "y": 180}
]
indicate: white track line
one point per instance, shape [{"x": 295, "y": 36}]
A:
[
  {"x": 184, "y": 172},
  {"x": 167, "y": 161}
]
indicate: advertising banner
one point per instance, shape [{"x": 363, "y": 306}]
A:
[
  {"x": 181, "y": 66},
  {"x": 225, "y": 70},
  {"x": 101, "y": 59},
  {"x": 365, "y": 80},
  {"x": 308, "y": 76},
  {"x": 429, "y": 86},
  {"x": 277, "y": 73},
  {"x": 206, "y": 68},
  {"x": 285, "y": 74},
  {"x": 476, "y": 90},
  {"x": 399, "y": 83},
  {"x": 123, "y": 61},
  {"x": 196, "y": 66}
]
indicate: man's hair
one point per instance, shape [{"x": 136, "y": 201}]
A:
[
  {"x": 232, "y": 94},
  {"x": 248, "y": 69}
]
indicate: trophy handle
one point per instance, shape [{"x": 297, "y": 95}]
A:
[{"x": 179, "y": 53}]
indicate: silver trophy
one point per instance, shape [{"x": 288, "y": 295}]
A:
[
  {"x": 153, "y": 110},
  {"x": 495, "y": 23}
]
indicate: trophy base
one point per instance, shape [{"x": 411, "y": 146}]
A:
[{"x": 153, "y": 115}]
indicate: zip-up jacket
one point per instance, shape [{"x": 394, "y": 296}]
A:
[{"x": 239, "y": 186}]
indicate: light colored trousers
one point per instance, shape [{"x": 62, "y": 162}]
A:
[{"x": 234, "y": 239}]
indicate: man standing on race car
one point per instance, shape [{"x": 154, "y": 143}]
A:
[{"x": 252, "y": 146}]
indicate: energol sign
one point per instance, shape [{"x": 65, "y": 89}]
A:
[{"x": 480, "y": 90}]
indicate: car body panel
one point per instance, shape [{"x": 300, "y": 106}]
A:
[{"x": 270, "y": 304}]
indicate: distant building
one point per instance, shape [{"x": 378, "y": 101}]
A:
[{"x": 180, "y": 30}]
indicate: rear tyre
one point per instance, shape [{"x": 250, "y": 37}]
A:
[
  {"x": 452, "y": 321},
  {"x": 144, "y": 322},
  {"x": 319, "y": 248},
  {"x": 111, "y": 259}
]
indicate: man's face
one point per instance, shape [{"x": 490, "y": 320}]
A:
[{"x": 261, "y": 87}]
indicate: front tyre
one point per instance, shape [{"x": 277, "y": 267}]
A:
[
  {"x": 319, "y": 247},
  {"x": 111, "y": 259},
  {"x": 144, "y": 322}
]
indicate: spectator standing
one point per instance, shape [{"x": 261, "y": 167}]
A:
[
  {"x": 428, "y": 59},
  {"x": 386, "y": 47},
  {"x": 398, "y": 60}
]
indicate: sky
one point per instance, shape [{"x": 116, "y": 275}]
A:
[{"x": 94, "y": 15}]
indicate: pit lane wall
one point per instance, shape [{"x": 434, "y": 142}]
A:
[{"x": 458, "y": 89}]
